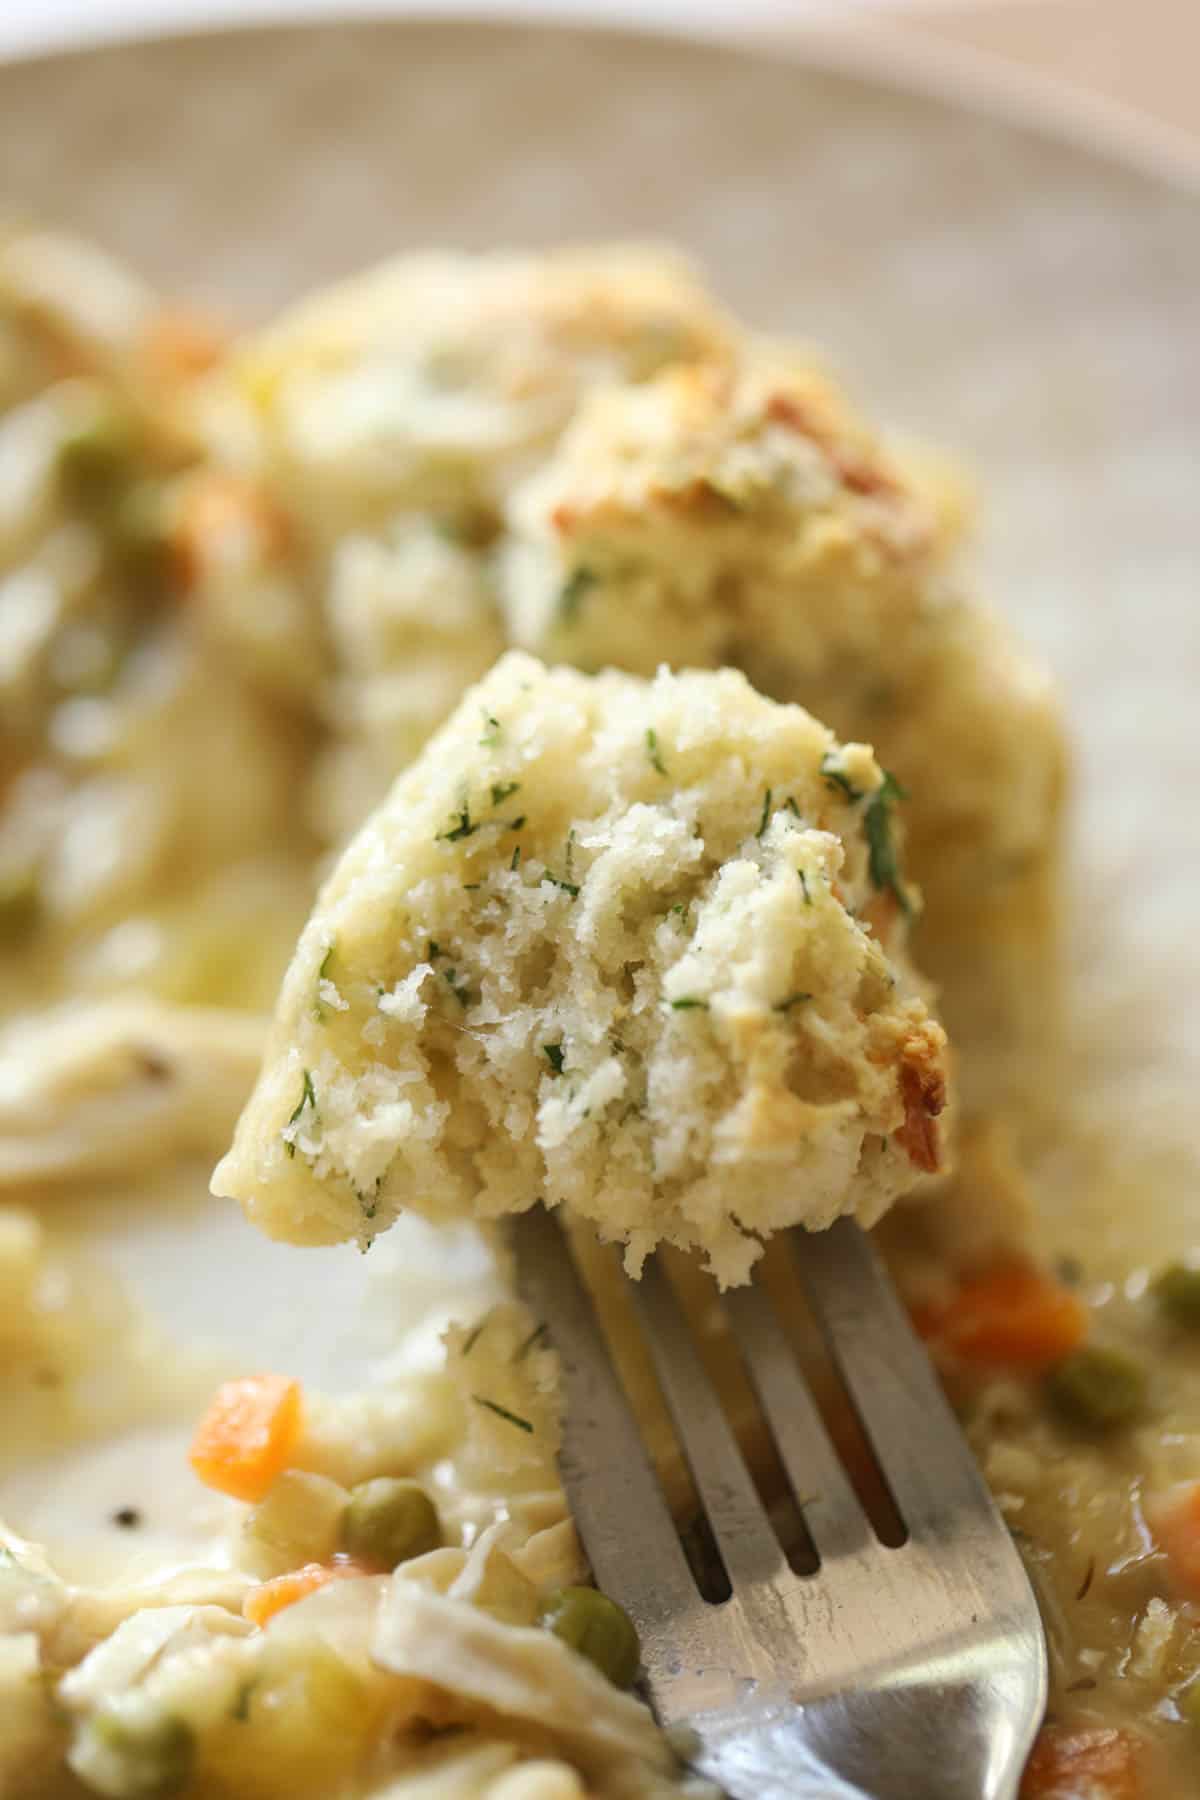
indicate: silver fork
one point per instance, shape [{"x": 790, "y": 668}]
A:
[{"x": 916, "y": 1672}]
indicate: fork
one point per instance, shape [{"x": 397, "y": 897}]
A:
[{"x": 913, "y": 1672}]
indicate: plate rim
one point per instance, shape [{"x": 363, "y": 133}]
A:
[{"x": 975, "y": 84}]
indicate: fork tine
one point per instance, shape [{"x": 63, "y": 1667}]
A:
[
  {"x": 748, "y": 1546},
  {"x": 603, "y": 1462},
  {"x": 928, "y": 1467},
  {"x": 833, "y": 1515}
]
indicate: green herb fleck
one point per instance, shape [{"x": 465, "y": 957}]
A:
[
  {"x": 790, "y": 803},
  {"x": 574, "y": 588},
  {"x": 766, "y": 814},
  {"x": 808, "y": 899},
  {"x": 513, "y": 824},
  {"x": 792, "y": 1000},
  {"x": 502, "y": 1412},
  {"x": 554, "y": 1056},
  {"x": 837, "y": 778},
  {"x": 493, "y": 731},
  {"x": 462, "y": 826},
  {"x": 882, "y": 861},
  {"x": 515, "y": 862},
  {"x": 318, "y": 1011},
  {"x": 501, "y": 790},
  {"x": 536, "y": 1336},
  {"x": 432, "y": 950},
  {"x": 473, "y": 1336},
  {"x": 459, "y": 989},
  {"x": 653, "y": 752},
  {"x": 307, "y": 1098},
  {"x": 689, "y": 1003},
  {"x": 568, "y": 887}
]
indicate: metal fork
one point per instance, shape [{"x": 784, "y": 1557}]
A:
[{"x": 916, "y": 1672}]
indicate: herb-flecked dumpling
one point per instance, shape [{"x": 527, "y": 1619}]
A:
[{"x": 636, "y": 947}]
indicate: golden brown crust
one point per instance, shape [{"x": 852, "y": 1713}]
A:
[{"x": 923, "y": 1092}]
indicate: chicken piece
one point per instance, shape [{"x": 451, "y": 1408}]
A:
[{"x": 118, "y": 1086}]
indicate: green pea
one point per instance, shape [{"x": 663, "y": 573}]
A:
[
  {"x": 20, "y": 904},
  {"x": 597, "y": 1628},
  {"x": 1177, "y": 1291},
  {"x": 1097, "y": 1388},
  {"x": 389, "y": 1521},
  {"x": 95, "y": 454},
  {"x": 139, "y": 1753}
]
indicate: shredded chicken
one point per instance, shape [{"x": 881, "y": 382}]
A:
[{"x": 118, "y": 1086}]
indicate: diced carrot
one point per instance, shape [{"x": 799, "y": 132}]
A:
[
  {"x": 247, "y": 1435},
  {"x": 219, "y": 514},
  {"x": 1013, "y": 1317},
  {"x": 1174, "y": 1518},
  {"x": 180, "y": 345},
  {"x": 1102, "y": 1763},
  {"x": 270, "y": 1597}
]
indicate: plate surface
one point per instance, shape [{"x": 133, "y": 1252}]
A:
[{"x": 1025, "y": 302}]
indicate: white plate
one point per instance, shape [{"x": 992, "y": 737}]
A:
[{"x": 1030, "y": 303}]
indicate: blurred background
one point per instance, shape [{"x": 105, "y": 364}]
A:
[{"x": 1087, "y": 57}]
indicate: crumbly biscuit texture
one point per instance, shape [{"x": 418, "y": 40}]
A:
[{"x": 633, "y": 947}]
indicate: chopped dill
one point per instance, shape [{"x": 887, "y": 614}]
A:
[
  {"x": 837, "y": 778},
  {"x": 493, "y": 731},
  {"x": 502, "y": 1412},
  {"x": 463, "y": 826},
  {"x": 501, "y": 791},
  {"x": 808, "y": 899},
  {"x": 883, "y": 864},
  {"x": 318, "y": 1011},
  {"x": 473, "y": 1336},
  {"x": 792, "y": 1000},
  {"x": 766, "y": 814},
  {"x": 459, "y": 989},
  {"x": 568, "y": 887},
  {"x": 536, "y": 1336},
  {"x": 515, "y": 861},
  {"x": 653, "y": 752},
  {"x": 307, "y": 1098},
  {"x": 689, "y": 1003},
  {"x": 554, "y": 1056}
]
